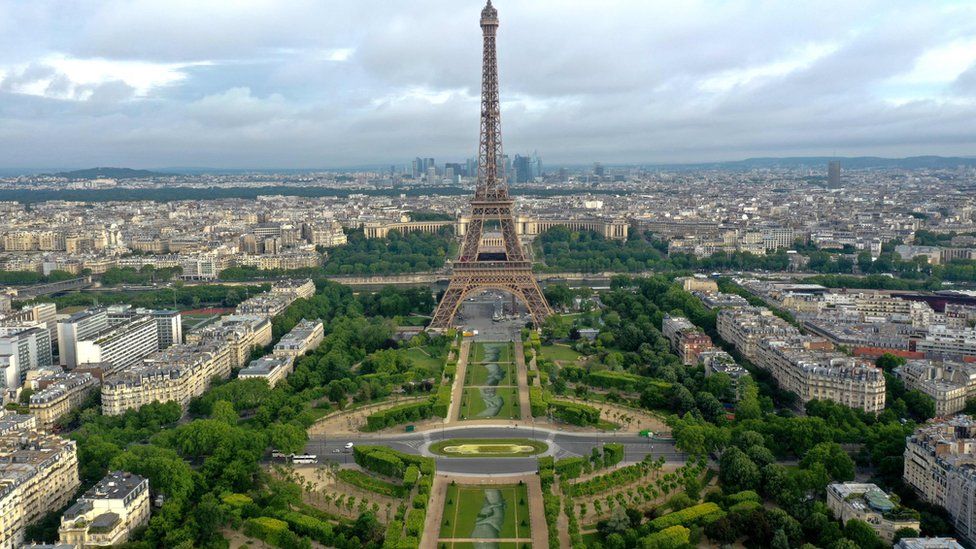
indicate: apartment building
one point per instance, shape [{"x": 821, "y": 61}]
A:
[
  {"x": 176, "y": 374},
  {"x": 745, "y": 327},
  {"x": 686, "y": 339},
  {"x": 940, "y": 464},
  {"x": 941, "y": 341},
  {"x": 717, "y": 300},
  {"x": 60, "y": 395},
  {"x": 698, "y": 284},
  {"x": 23, "y": 347},
  {"x": 300, "y": 288},
  {"x": 304, "y": 337},
  {"x": 868, "y": 503},
  {"x": 169, "y": 324},
  {"x": 123, "y": 345},
  {"x": 801, "y": 365},
  {"x": 108, "y": 512},
  {"x": 720, "y": 362},
  {"x": 38, "y": 475},
  {"x": 948, "y": 383},
  {"x": 241, "y": 334},
  {"x": 78, "y": 327},
  {"x": 271, "y": 368}
]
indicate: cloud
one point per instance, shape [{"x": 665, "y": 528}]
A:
[{"x": 312, "y": 83}]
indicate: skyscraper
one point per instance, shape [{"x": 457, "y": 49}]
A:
[
  {"x": 522, "y": 167},
  {"x": 833, "y": 173}
]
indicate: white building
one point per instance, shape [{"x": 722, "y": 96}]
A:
[
  {"x": 121, "y": 345},
  {"x": 77, "y": 327},
  {"x": 108, "y": 512},
  {"x": 948, "y": 383},
  {"x": 305, "y": 336},
  {"x": 868, "y": 503},
  {"x": 272, "y": 368}
]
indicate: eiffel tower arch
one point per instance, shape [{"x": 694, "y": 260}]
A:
[{"x": 477, "y": 269}]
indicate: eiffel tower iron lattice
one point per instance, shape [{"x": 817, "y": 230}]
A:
[{"x": 475, "y": 269}]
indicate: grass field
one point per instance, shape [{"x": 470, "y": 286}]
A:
[
  {"x": 491, "y": 374},
  {"x": 474, "y": 406},
  {"x": 499, "y": 512},
  {"x": 494, "y": 447},
  {"x": 491, "y": 352},
  {"x": 560, "y": 353},
  {"x": 420, "y": 357}
]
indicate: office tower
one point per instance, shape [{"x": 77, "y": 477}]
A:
[
  {"x": 78, "y": 326},
  {"x": 598, "y": 169},
  {"x": 417, "y": 167},
  {"x": 432, "y": 175},
  {"x": 833, "y": 173},
  {"x": 523, "y": 169}
]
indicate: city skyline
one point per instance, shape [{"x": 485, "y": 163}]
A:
[{"x": 318, "y": 85}]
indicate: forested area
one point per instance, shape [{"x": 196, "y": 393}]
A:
[
  {"x": 757, "y": 446},
  {"x": 209, "y": 468}
]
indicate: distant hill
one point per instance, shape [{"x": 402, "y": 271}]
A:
[{"x": 110, "y": 173}]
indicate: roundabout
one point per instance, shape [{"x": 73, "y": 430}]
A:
[{"x": 493, "y": 447}]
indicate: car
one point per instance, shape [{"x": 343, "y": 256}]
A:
[
  {"x": 336, "y": 451},
  {"x": 349, "y": 446}
]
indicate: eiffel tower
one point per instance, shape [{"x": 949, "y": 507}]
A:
[{"x": 475, "y": 269}]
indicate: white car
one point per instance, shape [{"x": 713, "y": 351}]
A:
[{"x": 349, "y": 446}]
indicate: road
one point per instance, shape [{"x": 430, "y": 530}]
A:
[{"x": 561, "y": 444}]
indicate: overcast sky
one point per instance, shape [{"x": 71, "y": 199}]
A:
[{"x": 320, "y": 83}]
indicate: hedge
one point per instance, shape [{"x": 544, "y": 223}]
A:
[
  {"x": 372, "y": 484},
  {"x": 669, "y": 538},
  {"x": 394, "y": 530},
  {"x": 312, "y": 527},
  {"x": 379, "y": 460},
  {"x": 538, "y": 401},
  {"x": 575, "y": 414},
  {"x": 405, "y": 413},
  {"x": 745, "y": 495},
  {"x": 271, "y": 530},
  {"x": 703, "y": 513},
  {"x": 415, "y": 522},
  {"x": 547, "y": 471},
  {"x": 410, "y": 476},
  {"x": 442, "y": 401},
  {"x": 391, "y": 463},
  {"x": 616, "y": 380},
  {"x": 613, "y": 453},
  {"x": 571, "y": 467},
  {"x": 744, "y": 507}
]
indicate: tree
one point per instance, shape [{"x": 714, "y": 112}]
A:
[
  {"x": 905, "y": 533},
  {"x": 748, "y": 405},
  {"x": 863, "y": 535},
  {"x": 737, "y": 472},
  {"x": 834, "y": 459},
  {"x": 224, "y": 412},
  {"x": 889, "y": 362},
  {"x": 555, "y": 327},
  {"x": 780, "y": 541},
  {"x": 287, "y": 437}
]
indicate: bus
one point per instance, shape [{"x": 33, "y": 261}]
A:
[{"x": 304, "y": 458}]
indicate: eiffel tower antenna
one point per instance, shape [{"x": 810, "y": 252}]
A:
[{"x": 475, "y": 269}]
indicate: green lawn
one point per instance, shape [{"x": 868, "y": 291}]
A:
[
  {"x": 489, "y": 351},
  {"x": 485, "y": 512},
  {"x": 494, "y": 447},
  {"x": 560, "y": 353},
  {"x": 421, "y": 358},
  {"x": 490, "y": 374},
  {"x": 474, "y": 405}
]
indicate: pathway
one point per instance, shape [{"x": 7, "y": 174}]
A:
[
  {"x": 454, "y": 411},
  {"x": 523, "y": 381}
]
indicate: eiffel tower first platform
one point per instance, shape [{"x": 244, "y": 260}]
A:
[{"x": 475, "y": 269}]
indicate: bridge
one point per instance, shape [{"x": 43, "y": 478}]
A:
[{"x": 51, "y": 288}]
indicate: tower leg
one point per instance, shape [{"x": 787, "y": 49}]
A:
[{"x": 447, "y": 308}]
